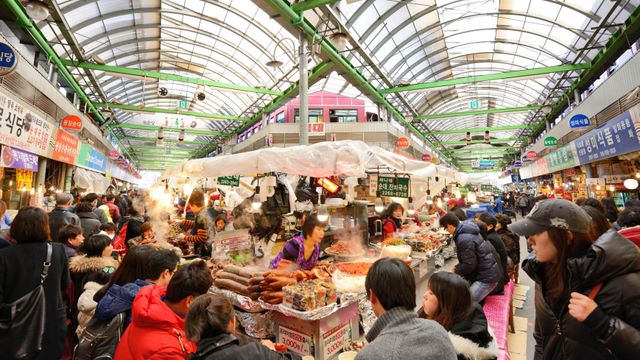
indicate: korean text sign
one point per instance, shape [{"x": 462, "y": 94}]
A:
[
  {"x": 393, "y": 187},
  {"x": 22, "y": 129},
  {"x": 92, "y": 159},
  {"x": 18, "y": 159},
  {"x": 66, "y": 148},
  {"x": 616, "y": 137}
]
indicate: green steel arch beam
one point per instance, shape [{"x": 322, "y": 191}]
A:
[
  {"x": 135, "y": 108},
  {"x": 482, "y": 129},
  {"x": 168, "y": 129},
  {"x": 476, "y": 112}
]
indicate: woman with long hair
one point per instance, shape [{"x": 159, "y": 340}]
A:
[
  {"x": 610, "y": 209},
  {"x": 5, "y": 219},
  {"x": 392, "y": 220},
  {"x": 20, "y": 269},
  {"x": 587, "y": 287},
  {"x": 448, "y": 302}
]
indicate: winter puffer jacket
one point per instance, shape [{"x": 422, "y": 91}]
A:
[
  {"x": 59, "y": 218},
  {"x": 155, "y": 332},
  {"x": 475, "y": 260},
  {"x": 497, "y": 243},
  {"x": 471, "y": 337},
  {"x": 227, "y": 347},
  {"x": 90, "y": 223},
  {"x": 86, "y": 305},
  {"x": 119, "y": 299},
  {"x": 612, "y": 330}
]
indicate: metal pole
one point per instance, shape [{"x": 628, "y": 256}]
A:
[
  {"x": 42, "y": 171},
  {"x": 304, "y": 90}
]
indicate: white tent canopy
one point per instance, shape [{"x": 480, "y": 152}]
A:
[
  {"x": 91, "y": 181},
  {"x": 350, "y": 158}
]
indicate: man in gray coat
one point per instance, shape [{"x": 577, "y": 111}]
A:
[
  {"x": 61, "y": 216},
  {"x": 399, "y": 333}
]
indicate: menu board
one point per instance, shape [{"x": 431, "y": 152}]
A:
[
  {"x": 24, "y": 179},
  {"x": 393, "y": 186},
  {"x": 18, "y": 159},
  {"x": 66, "y": 148},
  {"x": 23, "y": 129}
]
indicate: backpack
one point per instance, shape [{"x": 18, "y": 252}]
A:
[
  {"x": 523, "y": 202},
  {"x": 100, "y": 339},
  {"x": 119, "y": 243}
]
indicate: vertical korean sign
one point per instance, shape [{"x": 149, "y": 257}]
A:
[
  {"x": 22, "y": 129},
  {"x": 66, "y": 148}
]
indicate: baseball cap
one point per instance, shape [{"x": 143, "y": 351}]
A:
[{"x": 553, "y": 213}]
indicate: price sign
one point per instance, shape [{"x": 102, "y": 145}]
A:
[
  {"x": 229, "y": 180},
  {"x": 393, "y": 187},
  {"x": 8, "y": 59},
  {"x": 294, "y": 341},
  {"x": 336, "y": 339}
]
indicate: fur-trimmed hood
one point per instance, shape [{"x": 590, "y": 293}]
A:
[
  {"x": 468, "y": 349},
  {"x": 80, "y": 264}
]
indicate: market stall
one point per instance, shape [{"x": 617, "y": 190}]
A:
[{"x": 319, "y": 311}]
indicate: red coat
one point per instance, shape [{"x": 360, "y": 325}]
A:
[
  {"x": 632, "y": 233},
  {"x": 155, "y": 332},
  {"x": 388, "y": 228}
]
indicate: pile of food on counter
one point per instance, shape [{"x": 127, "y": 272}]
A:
[
  {"x": 396, "y": 248},
  {"x": 354, "y": 268},
  {"x": 345, "y": 248},
  {"x": 309, "y": 295},
  {"x": 240, "y": 280},
  {"x": 422, "y": 242}
]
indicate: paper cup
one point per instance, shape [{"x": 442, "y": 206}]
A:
[{"x": 347, "y": 355}]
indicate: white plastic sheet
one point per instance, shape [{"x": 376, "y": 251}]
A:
[
  {"x": 351, "y": 158},
  {"x": 91, "y": 181}
]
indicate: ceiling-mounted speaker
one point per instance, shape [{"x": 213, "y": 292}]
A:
[
  {"x": 201, "y": 96},
  {"x": 163, "y": 91}
]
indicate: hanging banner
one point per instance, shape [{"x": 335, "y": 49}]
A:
[
  {"x": 22, "y": 129},
  {"x": 18, "y": 159},
  {"x": 616, "y": 137},
  {"x": 24, "y": 179},
  {"x": 66, "y": 148},
  {"x": 91, "y": 158}
]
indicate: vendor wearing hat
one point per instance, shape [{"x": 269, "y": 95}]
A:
[{"x": 587, "y": 289}]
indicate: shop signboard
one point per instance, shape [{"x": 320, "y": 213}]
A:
[
  {"x": 578, "y": 121},
  {"x": 229, "y": 180},
  {"x": 92, "y": 159},
  {"x": 71, "y": 123},
  {"x": 515, "y": 179},
  {"x": 402, "y": 142},
  {"x": 482, "y": 164},
  {"x": 532, "y": 155},
  {"x": 615, "y": 179},
  {"x": 24, "y": 179},
  {"x": 562, "y": 158},
  {"x": 316, "y": 129},
  {"x": 616, "y": 137},
  {"x": 426, "y": 157},
  {"x": 393, "y": 186},
  {"x": 21, "y": 128},
  {"x": 486, "y": 188},
  {"x": 550, "y": 141},
  {"x": 295, "y": 341},
  {"x": 336, "y": 339},
  {"x": 66, "y": 148},
  {"x": 8, "y": 59},
  {"x": 517, "y": 164},
  {"x": 18, "y": 159}
]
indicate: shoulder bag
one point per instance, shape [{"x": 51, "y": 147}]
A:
[{"x": 22, "y": 321}]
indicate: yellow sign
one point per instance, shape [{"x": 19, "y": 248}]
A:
[{"x": 24, "y": 179}]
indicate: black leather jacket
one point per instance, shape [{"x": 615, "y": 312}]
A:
[
  {"x": 227, "y": 347},
  {"x": 59, "y": 218},
  {"x": 612, "y": 331}
]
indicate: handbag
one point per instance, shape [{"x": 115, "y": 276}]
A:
[{"x": 22, "y": 321}]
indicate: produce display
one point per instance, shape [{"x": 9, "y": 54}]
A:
[
  {"x": 354, "y": 268},
  {"x": 309, "y": 295},
  {"x": 425, "y": 242}
]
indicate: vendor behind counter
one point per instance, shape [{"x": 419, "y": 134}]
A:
[
  {"x": 304, "y": 249},
  {"x": 392, "y": 220}
]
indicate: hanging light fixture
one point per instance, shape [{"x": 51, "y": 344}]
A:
[
  {"x": 638, "y": 175},
  {"x": 612, "y": 188},
  {"x": 24, "y": 188},
  {"x": 468, "y": 138},
  {"x": 37, "y": 10},
  {"x": 181, "y": 136},
  {"x": 458, "y": 194},
  {"x": 439, "y": 203},
  {"x": 546, "y": 109},
  {"x": 161, "y": 133},
  {"x": 487, "y": 137},
  {"x": 598, "y": 187},
  {"x": 631, "y": 184},
  {"x": 32, "y": 191},
  {"x": 378, "y": 205},
  {"x": 411, "y": 208},
  {"x": 323, "y": 213},
  {"x": 187, "y": 189}
]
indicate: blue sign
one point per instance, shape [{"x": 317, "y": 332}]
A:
[
  {"x": 517, "y": 164},
  {"x": 579, "y": 121},
  {"x": 8, "y": 59},
  {"x": 524, "y": 158},
  {"x": 485, "y": 163},
  {"x": 515, "y": 179},
  {"x": 616, "y": 137}
]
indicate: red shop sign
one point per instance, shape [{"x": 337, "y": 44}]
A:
[
  {"x": 66, "y": 148},
  {"x": 72, "y": 123},
  {"x": 402, "y": 143},
  {"x": 426, "y": 157},
  {"x": 532, "y": 155}
]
